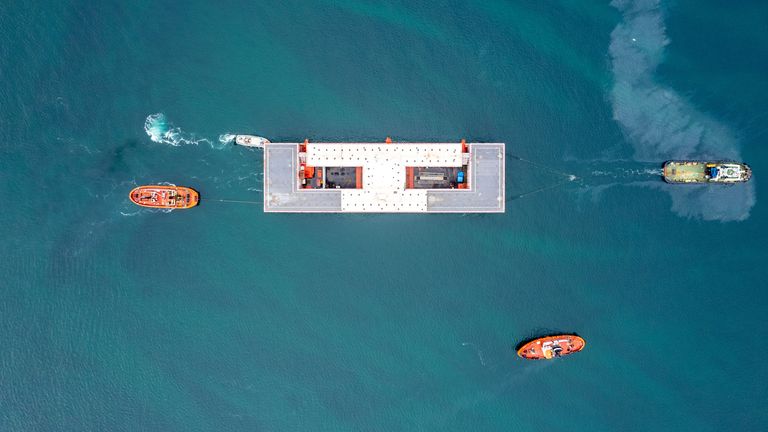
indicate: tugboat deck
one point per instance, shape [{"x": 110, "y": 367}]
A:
[
  {"x": 686, "y": 172},
  {"x": 391, "y": 178}
]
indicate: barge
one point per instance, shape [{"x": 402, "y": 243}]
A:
[{"x": 384, "y": 177}]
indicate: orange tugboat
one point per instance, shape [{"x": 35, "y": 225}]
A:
[
  {"x": 166, "y": 197},
  {"x": 550, "y": 347}
]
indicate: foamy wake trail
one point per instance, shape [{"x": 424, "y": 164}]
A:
[
  {"x": 661, "y": 124},
  {"x": 160, "y": 130},
  {"x": 227, "y": 138}
]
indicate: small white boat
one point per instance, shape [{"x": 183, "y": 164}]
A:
[{"x": 251, "y": 141}]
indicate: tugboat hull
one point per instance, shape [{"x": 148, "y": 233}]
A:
[
  {"x": 165, "y": 197},
  {"x": 550, "y": 347},
  {"x": 696, "y": 172}
]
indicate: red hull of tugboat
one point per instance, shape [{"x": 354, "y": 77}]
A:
[
  {"x": 165, "y": 197},
  {"x": 549, "y": 347}
]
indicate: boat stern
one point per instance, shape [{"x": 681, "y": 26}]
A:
[
  {"x": 664, "y": 174},
  {"x": 747, "y": 172},
  {"x": 191, "y": 197}
]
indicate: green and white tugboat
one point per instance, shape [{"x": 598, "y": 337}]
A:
[{"x": 706, "y": 172}]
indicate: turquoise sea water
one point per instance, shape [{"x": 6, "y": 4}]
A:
[{"x": 223, "y": 318}]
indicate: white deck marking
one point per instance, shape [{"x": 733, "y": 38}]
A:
[
  {"x": 384, "y": 178},
  {"x": 384, "y": 172}
]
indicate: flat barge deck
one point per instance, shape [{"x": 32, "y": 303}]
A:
[{"x": 384, "y": 177}]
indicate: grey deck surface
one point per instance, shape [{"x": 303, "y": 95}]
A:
[
  {"x": 487, "y": 182},
  {"x": 282, "y": 193}
]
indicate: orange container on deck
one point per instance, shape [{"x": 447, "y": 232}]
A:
[
  {"x": 358, "y": 177},
  {"x": 409, "y": 177}
]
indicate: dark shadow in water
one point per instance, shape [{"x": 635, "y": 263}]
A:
[
  {"x": 103, "y": 188},
  {"x": 116, "y": 160},
  {"x": 111, "y": 161}
]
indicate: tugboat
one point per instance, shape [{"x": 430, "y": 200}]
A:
[
  {"x": 165, "y": 197},
  {"x": 549, "y": 347},
  {"x": 706, "y": 172},
  {"x": 251, "y": 141}
]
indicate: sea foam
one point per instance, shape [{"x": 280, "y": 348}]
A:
[
  {"x": 663, "y": 125},
  {"x": 160, "y": 130}
]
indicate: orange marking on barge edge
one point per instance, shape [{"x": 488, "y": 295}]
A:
[
  {"x": 388, "y": 140},
  {"x": 358, "y": 177}
]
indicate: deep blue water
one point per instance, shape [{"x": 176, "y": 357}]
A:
[{"x": 223, "y": 318}]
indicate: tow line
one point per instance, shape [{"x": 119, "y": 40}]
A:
[
  {"x": 234, "y": 201},
  {"x": 542, "y": 166},
  {"x": 570, "y": 177}
]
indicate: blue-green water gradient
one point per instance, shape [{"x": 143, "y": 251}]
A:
[{"x": 223, "y": 318}]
